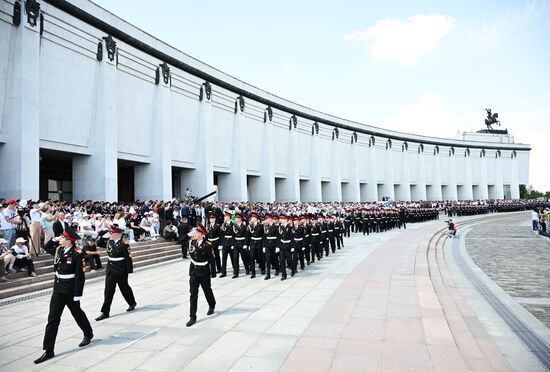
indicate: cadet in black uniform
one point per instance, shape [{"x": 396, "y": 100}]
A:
[
  {"x": 213, "y": 237},
  {"x": 331, "y": 234},
  {"x": 226, "y": 234},
  {"x": 270, "y": 247},
  {"x": 200, "y": 253},
  {"x": 69, "y": 268},
  {"x": 239, "y": 231},
  {"x": 316, "y": 250},
  {"x": 298, "y": 237},
  {"x": 285, "y": 243},
  {"x": 347, "y": 224},
  {"x": 255, "y": 244},
  {"x": 118, "y": 267}
]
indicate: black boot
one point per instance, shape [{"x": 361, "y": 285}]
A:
[
  {"x": 101, "y": 317},
  {"x": 191, "y": 322},
  {"x": 86, "y": 341},
  {"x": 132, "y": 307},
  {"x": 267, "y": 277},
  {"x": 210, "y": 311},
  {"x": 47, "y": 355}
]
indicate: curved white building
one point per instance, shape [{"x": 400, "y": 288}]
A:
[{"x": 94, "y": 108}]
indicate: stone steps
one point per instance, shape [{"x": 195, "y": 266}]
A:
[
  {"x": 459, "y": 330},
  {"x": 142, "y": 254}
]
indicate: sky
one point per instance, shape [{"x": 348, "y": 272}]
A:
[{"x": 424, "y": 67}]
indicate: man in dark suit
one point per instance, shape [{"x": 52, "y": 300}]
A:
[{"x": 59, "y": 224}]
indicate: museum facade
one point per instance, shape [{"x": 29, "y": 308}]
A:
[{"x": 92, "y": 107}]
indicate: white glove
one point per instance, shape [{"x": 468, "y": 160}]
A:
[
  {"x": 277, "y": 250},
  {"x": 303, "y": 249},
  {"x": 245, "y": 247},
  {"x": 220, "y": 248},
  {"x": 77, "y": 298},
  {"x": 263, "y": 250},
  {"x": 291, "y": 250}
]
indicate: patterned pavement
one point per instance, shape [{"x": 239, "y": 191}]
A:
[{"x": 516, "y": 259}]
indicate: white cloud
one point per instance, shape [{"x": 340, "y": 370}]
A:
[
  {"x": 291, "y": 69},
  {"x": 428, "y": 115},
  {"x": 404, "y": 42}
]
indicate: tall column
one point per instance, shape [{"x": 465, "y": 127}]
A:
[
  {"x": 334, "y": 189},
  {"x": 201, "y": 179},
  {"x": 499, "y": 184},
  {"x": 451, "y": 183},
  {"x": 483, "y": 187},
  {"x": 232, "y": 186},
  {"x": 19, "y": 156},
  {"x": 312, "y": 191},
  {"x": 266, "y": 183},
  {"x": 154, "y": 180},
  {"x": 389, "y": 188},
  {"x": 353, "y": 190},
  {"x": 420, "y": 189},
  {"x": 405, "y": 186},
  {"x": 436, "y": 183},
  {"x": 468, "y": 192},
  {"x": 95, "y": 176},
  {"x": 372, "y": 181},
  {"x": 514, "y": 185},
  {"x": 290, "y": 186}
]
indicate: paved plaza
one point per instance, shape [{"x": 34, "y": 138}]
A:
[
  {"x": 369, "y": 307},
  {"x": 516, "y": 259}
]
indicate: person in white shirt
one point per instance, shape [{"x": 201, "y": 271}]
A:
[
  {"x": 148, "y": 226},
  {"x": 36, "y": 227},
  {"x": 7, "y": 259},
  {"x": 535, "y": 219},
  {"x": 9, "y": 219},
  {"x": 22, "y": 256},
  {"x": 85, "y": 227}
]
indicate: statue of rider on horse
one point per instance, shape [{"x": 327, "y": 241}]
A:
[{"x": 491, "y": 119}]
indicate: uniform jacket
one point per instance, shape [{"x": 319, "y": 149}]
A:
[
  {"x": 119, "y": 249},
  {"x": 67, "y": 263},
  {"x": 200, "y": 253}
]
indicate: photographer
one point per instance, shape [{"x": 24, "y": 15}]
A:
[
  {"x": 22, "y": 256},
  {"x": 452, "y": 228},
  {"x": 170, "y": 232}
]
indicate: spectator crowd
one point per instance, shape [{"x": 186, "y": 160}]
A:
[{"x": 26, "y": 226}]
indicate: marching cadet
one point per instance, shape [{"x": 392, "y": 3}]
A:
[
  {"x": 213, "y": 237},
  {"x": 324, "y": 235},
  {"x": 331, "y": 233},
  {"x": 307, "y": 238},
  {"x": 254, "y": 243},
  {"x": 339, "y": 230},
  {"x": 284, "y": 238},
  {"x": 298, "y": 241},
  {"x": 226, "y": 234},
  {"x": 200, "y": 253},
  {"x": 239, "y": 248},
  {"x": 69, "y": 268},
  {"x": 347, "y": 224},
  {"x": 270, "y": 246},
  {"x": 316, "y": 250},
  {"x": 119, "y": 265}
]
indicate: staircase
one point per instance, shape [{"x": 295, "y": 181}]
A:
[{"x": 143, "y": 253}]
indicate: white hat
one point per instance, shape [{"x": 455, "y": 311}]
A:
[
  {"x": 20, "y": 240},
  {"x": 3, "y": 241}
]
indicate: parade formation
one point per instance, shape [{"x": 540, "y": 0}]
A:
[{"x": 274, "y": 240}]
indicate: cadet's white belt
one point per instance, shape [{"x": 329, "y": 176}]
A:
[
  {"x": 254, "y": 238},
  {"x": 298, "y": 239},
  {"x": 199, "y": 263},
  {"x": 64, "y": 276},
  {"x": 228, "y": 236},
  {"x": 213, "y": 239},
  {"x": 330, "y": 230},
  {"x": 307, "y": 236},
  {"x": 239, "y": 238},
  {"x": 116, "y": 258},
  {"x": 272, "y": 237},
  {"x": 314, "y": 234},
  {"x": 285, "y": 241}
]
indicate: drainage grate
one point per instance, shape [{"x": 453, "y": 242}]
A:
[{"x": 532, "y": 340}]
